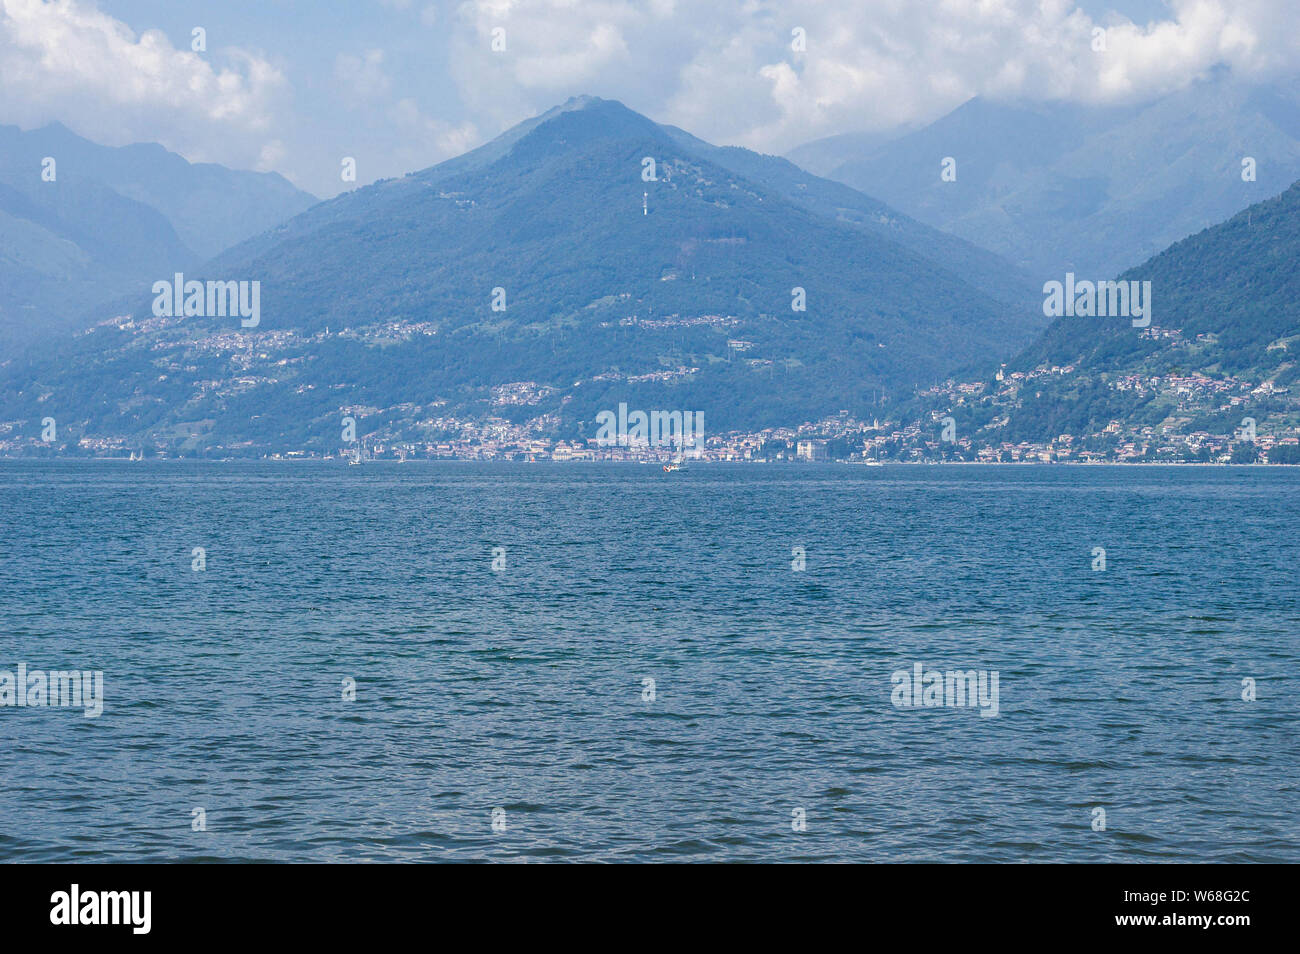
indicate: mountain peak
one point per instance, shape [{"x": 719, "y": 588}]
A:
[
  {"x": 592, "y": 117},
  {"x": 56, "y": 127},
  {"x": 585, "y": 101},
  {"x": 578, "y": 119}
]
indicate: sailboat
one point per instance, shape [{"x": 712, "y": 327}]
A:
[
  {"x": 679, "y": 462},
  {"x": 355, "y": 459}
]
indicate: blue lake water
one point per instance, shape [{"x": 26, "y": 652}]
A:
[{"x": 522, "y": 689}]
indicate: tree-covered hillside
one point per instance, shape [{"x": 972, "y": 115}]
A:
[{"x": 671, "y": 290}]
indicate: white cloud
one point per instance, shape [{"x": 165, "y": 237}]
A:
[
  {"x": 555, "y": 48},
  {"x": 411, "y": 139},
  {"x": 68, "y": 61},
  {"x": 271, "y": 156},
  {"x": 426, "y": 140},
  {"x": 726, "y": 71},
  {"x": 362, "y": 78}
]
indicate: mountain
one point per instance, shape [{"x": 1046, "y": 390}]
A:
[
  {"x": 674, "y": 293},
  {"x": 1221, "y": 347},
  {"x": 823, "y": 156},
  {"x": 70, "y": 247},
  {"x": 1055, "y": 187},
  {"x": 991, "y": 274},
  {"x": 111, "y": 218},
  {"x": 1237, "y": 283}
]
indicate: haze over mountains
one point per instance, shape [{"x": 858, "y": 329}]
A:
[
  {"x": 590, "y": 257},
  {"x": 991, "y": 274},
  {"x": 100, "y": 221},
  {"x": 675, "y": 292},
  {"x": 1094, "y": 189}
]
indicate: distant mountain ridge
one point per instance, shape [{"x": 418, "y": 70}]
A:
[
  {"x": 822, "y": 157},
  {"x": 990, "y": 273},
  {"x": 111, "y": 217},
  {"x": 1095, "y": 189}
]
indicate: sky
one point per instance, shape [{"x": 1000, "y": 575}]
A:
[{"x": 293, "y": 86}]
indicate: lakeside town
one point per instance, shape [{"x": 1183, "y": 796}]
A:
[
  {"x": 839, "y": 438},
  {"x": 1186, "y": 416}
]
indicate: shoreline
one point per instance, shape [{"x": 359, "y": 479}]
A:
[{"x": 337, "y": 461}]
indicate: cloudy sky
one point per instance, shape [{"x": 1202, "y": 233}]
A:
[{"x": 294, "y": 85}]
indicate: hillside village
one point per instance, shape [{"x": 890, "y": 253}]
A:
[
  {"x": 1186, "y": 416},
  {"x": 248, "y": 360}
]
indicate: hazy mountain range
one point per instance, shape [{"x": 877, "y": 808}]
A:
[
  {"x": 724, "y": 282},
  {"x": 590, "y": 257},
  {"x": 99, "y": 221},
  {"x": 1094, "y": 189}
]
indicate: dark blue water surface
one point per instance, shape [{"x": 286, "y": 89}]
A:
[{"x": 523, "y": 689}]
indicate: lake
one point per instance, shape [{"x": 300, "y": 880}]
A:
[{"x": 456, "y": 662}]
